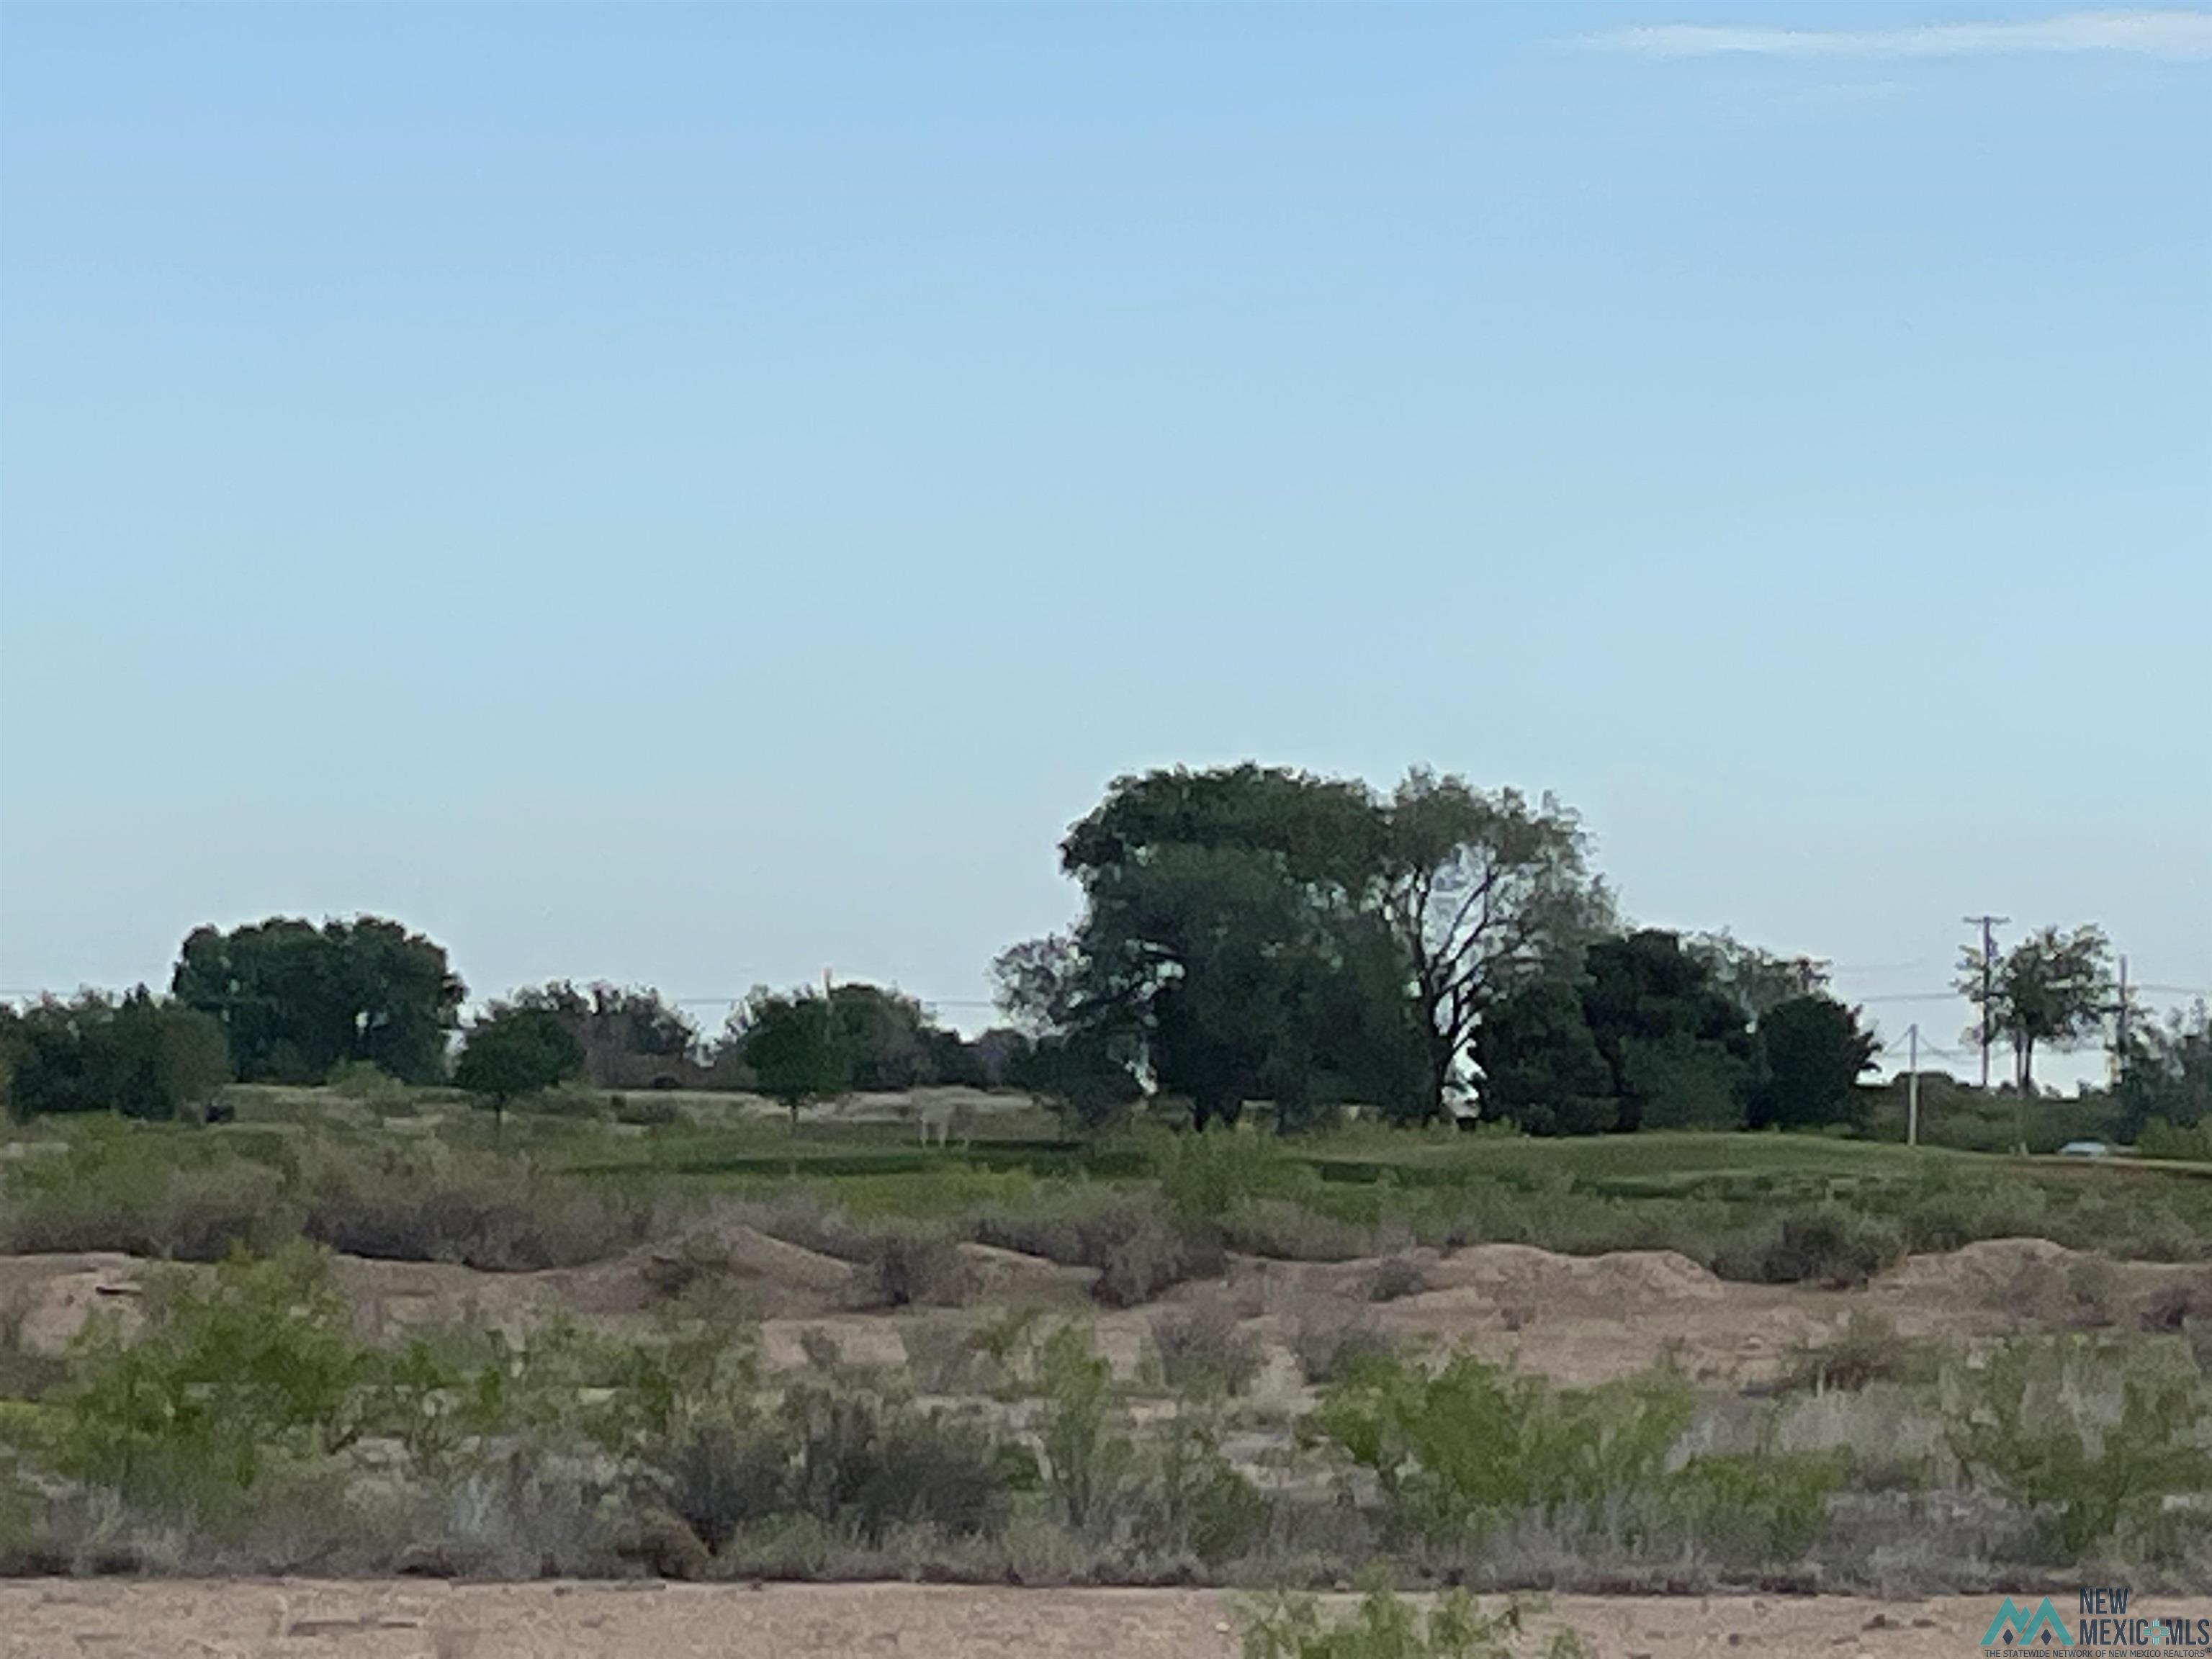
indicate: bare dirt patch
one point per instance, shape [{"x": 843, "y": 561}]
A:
[{"x": 46, "y": 1619}]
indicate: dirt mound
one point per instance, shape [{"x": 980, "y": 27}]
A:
[
  {"x": 1010, "y": 1276},
  {"x": 1522, "y": 1273},
  {"x": 54, "y": 1295},
  {"x": 402, "y": 1293}
]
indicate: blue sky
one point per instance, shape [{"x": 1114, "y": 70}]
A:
[{"x": 693, "y": 495}]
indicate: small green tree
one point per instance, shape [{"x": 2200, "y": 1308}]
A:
[
  {"x": 514, "y": 1051},
  {"x": 792, "y": 1044}
]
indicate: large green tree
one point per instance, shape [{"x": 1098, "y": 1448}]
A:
[
  {"x": 1483, "y": 892},
  {"x": 297, "y": 1001},
  {"x": 1252, "y": 931},
  {"x": 1228, "y": 918},
  {"x": 2052, "y": 990}
]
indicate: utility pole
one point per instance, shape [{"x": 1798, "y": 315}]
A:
[
  {"x": 1988, "y": 925},
  {"x": 1913, "y": 1087}
]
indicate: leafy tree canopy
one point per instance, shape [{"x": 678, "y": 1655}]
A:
[
  {"x": 142, "y": 1055},
  {"x": 793, "y": 1045},
  {"x": 1812, "y": 1051},
  {"x": 1255, "y": 932},
  {"x": 295, "y": 1001},
  {"x": 513, "y": 1051},
  {"x": 2052, "y": 990},
  {"x": 2166, "y": 1071}
]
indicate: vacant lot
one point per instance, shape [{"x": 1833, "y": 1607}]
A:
[{"x": 352, "y": 1339}]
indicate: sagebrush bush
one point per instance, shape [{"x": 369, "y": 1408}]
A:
[
  {"x": 1283, "y": 1230},
  {"x": 1197, "y": 1503},
  {"x": 861, "y": 1461},
  {"x": 1396, "y": 1277},
  {"x": 238, "y": 1378},
  {"x": 911, "y": 1267},
  {"x": 1386, "y": 1627},
  {"x": 1867, "y": 1351},
  {"x": 1834, "y": 1247},
  {"x": 496, "y": 1220},
  {"x": 1330, "y": 1338},
  {"x": 1203, "y": 1349}
]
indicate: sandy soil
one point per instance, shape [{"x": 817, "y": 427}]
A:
[{"x": 200, "y": 1619}]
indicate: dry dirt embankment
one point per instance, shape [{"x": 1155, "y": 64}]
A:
[
  {"x": 1575, "y": 1319},
  {"x": 175, "y": 1619}
]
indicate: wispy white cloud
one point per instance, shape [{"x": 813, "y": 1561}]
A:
[{"x": 2174, "y": 35}]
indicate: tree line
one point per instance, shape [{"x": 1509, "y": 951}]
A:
[{"x": 1246, "y": 933}]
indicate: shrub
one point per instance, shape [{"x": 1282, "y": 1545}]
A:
[
  {"x": 1460, "y": 1451},
  {"x": 1331, "y": 1339},
  {"x": 1397, "y": 1277},
  {"x": 2192, "y": 1145},
  {"x": 25, "y": 1373},
  {"x": 911, "y": 1267},
  {"x": 1286, "y": 1232},
  {"x": 1085, "y": 1455},
  {"x": 115, "y": 1199},
  {"x": 1203, "y": 1176},
  {"x": 1756, "y": 1506},
  {"x": 1205, "y": 1505},
  {"x": 1203, "y": 1350},
  {"x": 499, "y": 1220},
  {"x": 1836, "y": 1248},
  {"x": 867, "y": 1464},
  {"x": 1867, "y": 1351},
  {"x": 1150, "y": 1254},
  {"x": 234, "y": 1378},
  {"x": 365, "y": 1081},
  {"x": 2095, "y": 1435},
  {"x": 646, "y": 1111},
  {"x": 1383, "y": 1626}
]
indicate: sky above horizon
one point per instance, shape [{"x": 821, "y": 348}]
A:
[{"x": 691, "y": 495}]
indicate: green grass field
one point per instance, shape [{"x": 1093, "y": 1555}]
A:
[{"x": 294, "y": 1155}]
